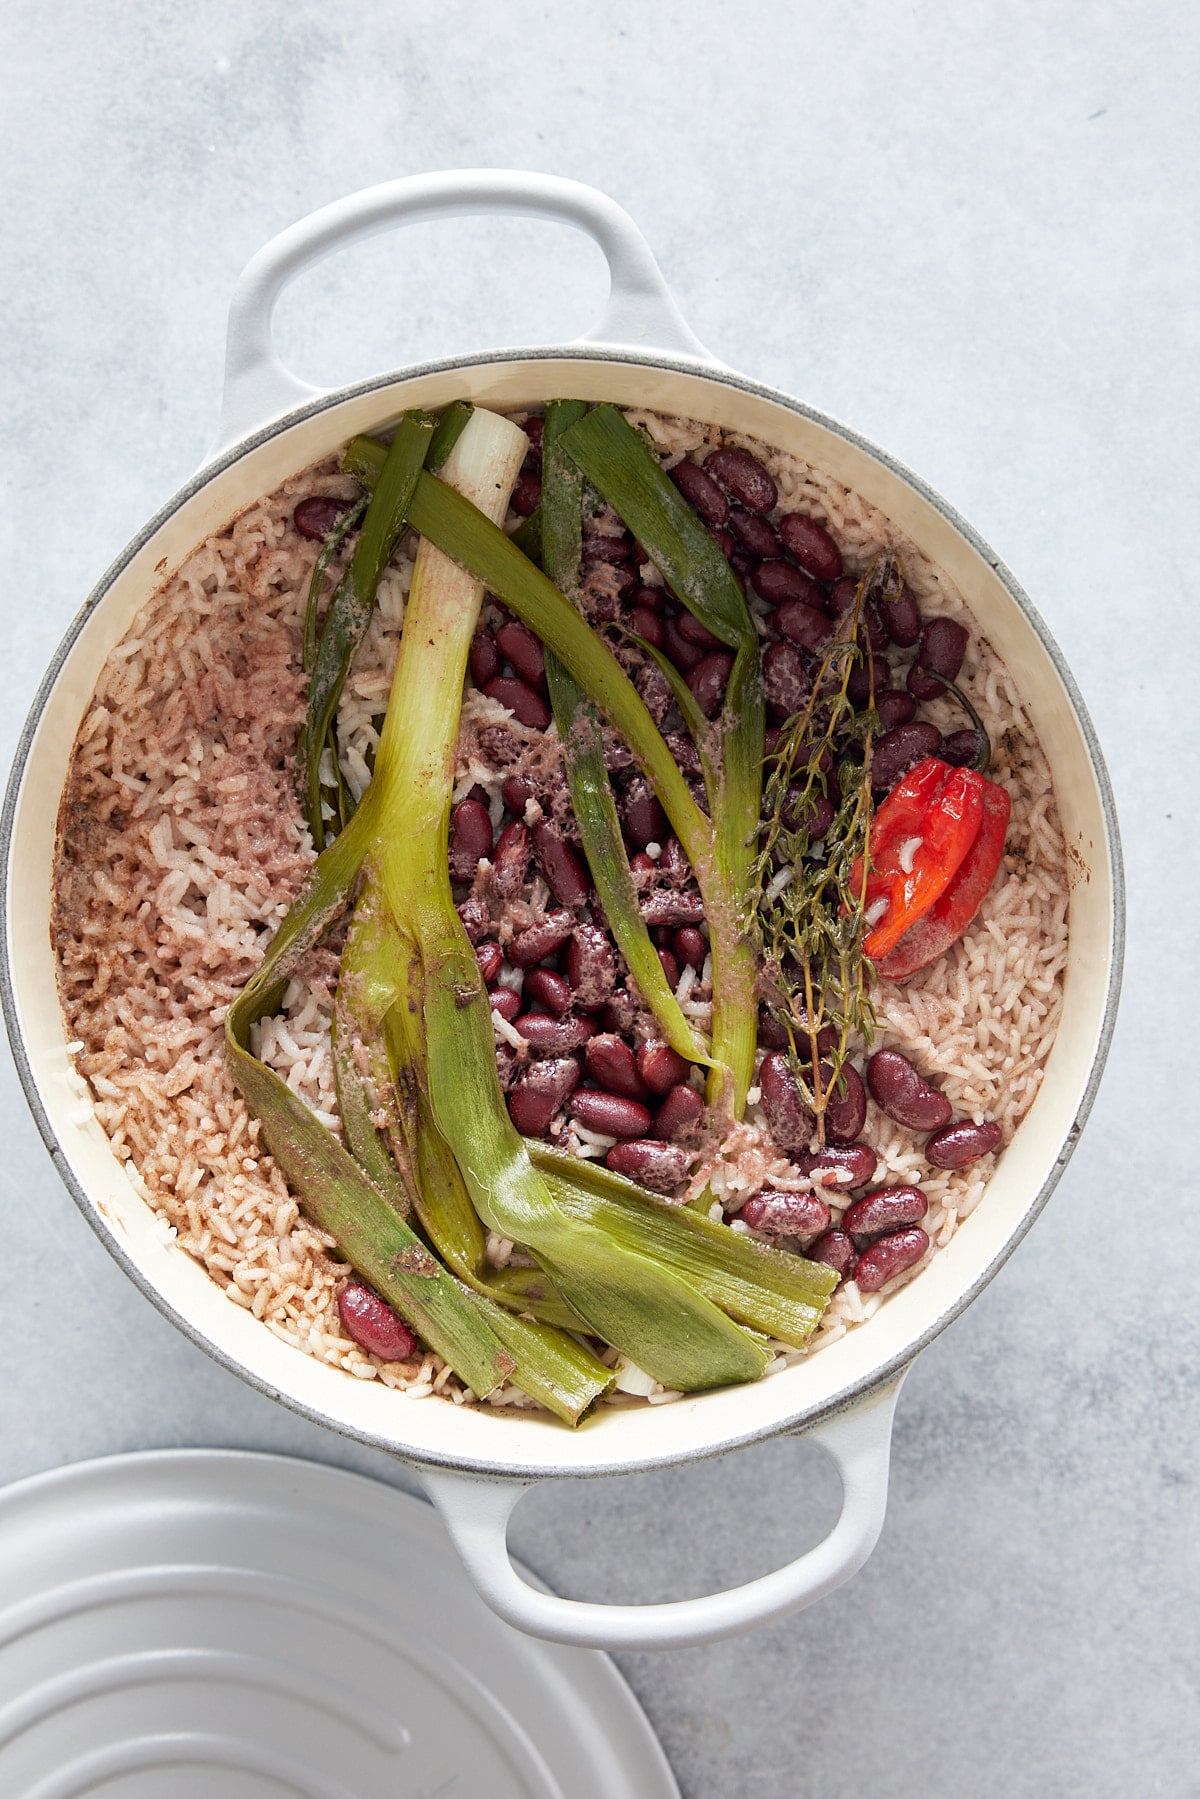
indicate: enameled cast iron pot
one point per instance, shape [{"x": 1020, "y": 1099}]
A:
[{"x": 474, "y": 1462}]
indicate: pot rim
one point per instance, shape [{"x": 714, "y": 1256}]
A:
[{"x": 854, "y": 1390}]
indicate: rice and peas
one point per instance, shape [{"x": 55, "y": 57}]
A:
[{"x": 182, "y": 845}]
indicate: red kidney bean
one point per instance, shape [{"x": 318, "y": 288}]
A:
[
  {"x": 724, "y": 539},
  {"x": 681, "y": 1109},
  {"x": 617, "y": 754},
  {"x": 691, "y": 946},
  {"x": 842, "y": 596},
  {"x": 470, "y": 839},
  {"x": 685, "y": 753},
  {"x": 316, "y": 517},
  {"x": 591, "y": 967},
  {"x": 642, "y": 816},
  {"x": 660, "y": 1066},
  {"x": 490, "y": 958},
  {"x": 700, "y": 491},
  {"x": 691, "y": 628},
  {"x": 619, "y": 1015},
  {"x": 811, "y": 545},
  {"x": 659, "y": 1166},
  {"x": 895, "y": 708},
  {"x": 885, "y": 1210},
  {"x": 534, "y": 429},
  {"x": 889, "y": 1256},
  {"x": 646, "y": 625},
  {"x": 524, "y": 651},
  {"x": 872, "y": 632},
  {"x": 539, "y": 1092},
  {"x": 743, "y": 476},
  {"x": 845, "y": 1166},
  {"x": 649, "y": 599},
  {"x": 835, "y": 1249},
  {"x": 777, "y": 581},
  {"x": 480, "y": 795},
  {"x": 871, "y": 675},
  {"x": 789, "y": 1118},
  {"x": 527, "y": 494},
  {"x": 897, "y": 751},
  {"x": 670, "y": 968},
  {"x": 516, "y": 794},
  {"x": 476, "y": 919},
  {"x": 612, "y": 1065},
  {"x": 505, "y": 1001},
  {"x": 785, "y": 679},
  {"x": 905, "y": 1095},
  {"x": 486, "y": 660},
  {"x": 537, "y": 941},
  {"x": 811, "y": 809},
  {"x": 683, "y": 654},
  {"x": 708, "y": 681},
  {"x": 559, "y": 863},
  {"x": 961, "y": 748},
  {"x": 827, "y": 1040},
  {"x": 821, "y": 817},
  {"x": 957, "y": 1144},
  {"x": 643, "y": 865},
  {"x": 901, "y": 616},
  {"x": 846, "y": 1112},
  {"x": 665, "y": 906},
  {"x": 524, "y": 704},
  {"x": 786, "y": 1214},
  {"x": 755, "y": 535},
  {"x": 771, "y": 1034},
  {"x": 605, "y": 547},
  {"x": 510, "y": 859},
  {"x": 942, "y": 648},
  {"x": 559, "y": 1034},
  {"x": 610, "y": 1113},
  {"x": 545, "y": 988},
  {"x": 373, "y": 1324},
  {"x": 803, "y": 624}
]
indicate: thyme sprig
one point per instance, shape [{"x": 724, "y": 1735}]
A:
[{"x": 810, "y": 911}]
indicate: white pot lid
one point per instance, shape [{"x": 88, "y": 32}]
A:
[{"x": 187, "y": 1622}]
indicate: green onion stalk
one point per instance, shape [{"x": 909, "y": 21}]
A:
[
  {"x": 721, "y": 846},
  {"x": 430, "y": 1158},
  {"x": 622, "y": 467},
  {"x": 356, "y": 1192},
  {"x": 653, "y": 1315}
]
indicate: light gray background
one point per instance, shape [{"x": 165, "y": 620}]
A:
[{"x": 968, "y": 232}]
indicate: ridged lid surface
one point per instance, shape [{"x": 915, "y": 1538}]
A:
[{"x": 191, "y": 1622}]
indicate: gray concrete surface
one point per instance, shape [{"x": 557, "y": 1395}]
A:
[{"x": 967, "y": 231}]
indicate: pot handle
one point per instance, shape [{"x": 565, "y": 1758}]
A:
[
  {"x": 476, "y": 1512},
  {"x": 640, "y": 312}
]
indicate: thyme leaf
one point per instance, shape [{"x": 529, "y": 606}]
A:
[{"x": 810, "y": 911}]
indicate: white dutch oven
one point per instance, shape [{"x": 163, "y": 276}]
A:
[{"x": 475, "y": 1463}]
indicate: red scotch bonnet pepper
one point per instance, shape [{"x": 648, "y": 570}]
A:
[{"x": 936, "y": 844}]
